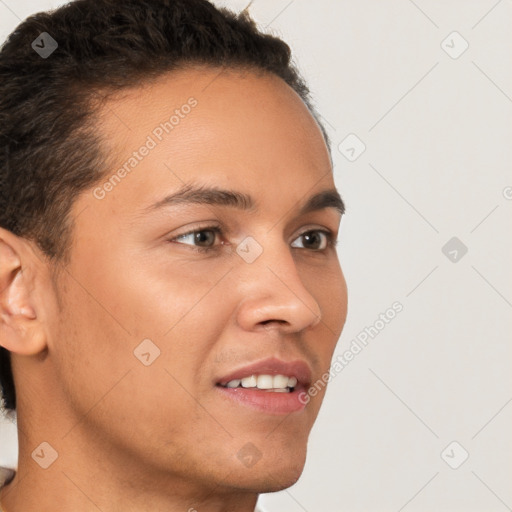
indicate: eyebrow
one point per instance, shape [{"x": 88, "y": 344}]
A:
[{"x": 216, "y": 196}]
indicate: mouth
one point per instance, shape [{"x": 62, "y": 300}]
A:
[
  {"x": 269, "y": 383},
  {"x": 270, "y": 386}
]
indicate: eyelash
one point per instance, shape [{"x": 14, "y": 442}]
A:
[{"x": 331, "y": 242}]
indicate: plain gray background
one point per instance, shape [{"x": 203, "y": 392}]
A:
[{"x": 428, "y": 160}]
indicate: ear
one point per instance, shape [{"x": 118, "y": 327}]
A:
[{"x": 21, "y": 329}]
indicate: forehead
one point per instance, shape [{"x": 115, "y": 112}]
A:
[
  {"x": 212, "y": 126},
  {"x": 239, "y": 106}
]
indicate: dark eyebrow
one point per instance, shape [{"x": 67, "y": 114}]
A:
[
  {"x": 325, "y": 199},
  {"x": 216, "y": 196}
]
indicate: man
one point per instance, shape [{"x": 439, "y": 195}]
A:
[{"x": 152, "y": 367}]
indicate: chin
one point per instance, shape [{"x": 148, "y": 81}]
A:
[{"x": 265, "y": 479}]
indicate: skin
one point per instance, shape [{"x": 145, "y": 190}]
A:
[{"x": 129, "y": 435}]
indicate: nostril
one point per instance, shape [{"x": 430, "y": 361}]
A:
[{"x": 265, "y": 322}]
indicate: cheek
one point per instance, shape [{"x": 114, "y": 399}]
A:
[
  {"x": 92, "y": 349},
  {"x": 167, "y": 310},
  {"x": 153, "y": 298},
  {"x": 333, "y": 297},
  {"x": 339, "y": 300},
  {"x": 101, "y": 377},
  {"x": 329, "y": 288}
]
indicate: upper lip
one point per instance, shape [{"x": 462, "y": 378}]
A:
[{"x": 272, "y": 366}]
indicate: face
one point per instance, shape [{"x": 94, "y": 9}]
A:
[{"x": 164, "y": 301}]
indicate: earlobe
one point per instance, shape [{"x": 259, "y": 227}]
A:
[{"x": 20, "y": 328}]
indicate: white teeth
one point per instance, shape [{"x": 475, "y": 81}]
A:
[
  {"x": 280, "y": 381},
  {"x": 277, "y": 383},
  {"x": 249, "y": 382},
  {"x": 265, "y": 382}
]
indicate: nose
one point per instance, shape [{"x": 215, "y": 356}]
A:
[{"x": 274, "y": 293}]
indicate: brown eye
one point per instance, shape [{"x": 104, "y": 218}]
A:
[
  {"x": 201, "y": 240},
  {"x": 317, "y": 240}
]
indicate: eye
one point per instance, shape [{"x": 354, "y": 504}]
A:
[
  {"x": 198, "y": 237},
  {"x": 203, "y": 240},
  {"x": 318, "y": 239}
]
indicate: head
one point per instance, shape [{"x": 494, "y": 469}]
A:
[{"x": 152, "y": 123}]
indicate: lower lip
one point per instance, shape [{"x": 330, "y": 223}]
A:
[{"x": 270, "y": 402}]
